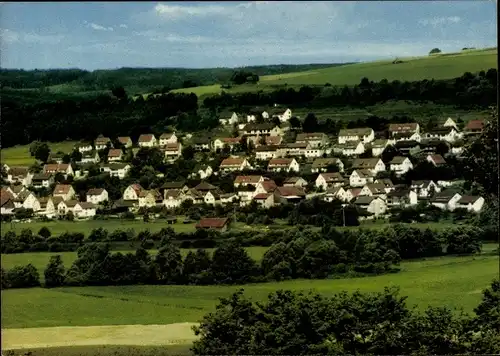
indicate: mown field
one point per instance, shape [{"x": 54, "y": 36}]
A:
[
  {"x": 20, "y": 155},
  {"x": 452, "y": 281}
]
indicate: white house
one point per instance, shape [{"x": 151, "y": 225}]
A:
[
  {"x": 448, "y": 134},
  {"x": 401, "y": 165},
  {"x": 42, "y": 180},
  {"x": 450, "y": 123},
  {"x": 84, "y": 210},
  {"x": 295, "y": 182},
  {"x": 172, "y": 198},
  {"x": 119, "y": 170},
  {"x": 63, "y": 168},
  {"x": 132, "y": 192},
  {"x": 90, "y": 157},
  {"x": 172, "y": 151},
  {"x": 243, "y": 181},
  {"x": 401, "y": 198},
  {"x": 168, "y": 138},
  {"x": 325, "y": 180},
  {"x": 374, "y": 165},
  {"x": 445, "y": 200},
  {"x": 265, "y": 152},
  {"x": 283, "y": 164},
  {"x": 283, "y": 116},
  {"x": 436, "y": 160},
  {"x": 334, "y": 193},
  {"x": 65, "y": 191},
  {"x": 147, "y": 140},
  {"x": 101, "y": 142},
  {"x": 97, "y": 195},
  {"x": 471, "y": 203},
  {"x": 425, "y": 188},
  {"x": 360, "y": 177},
  {"x": 372, "y": 204},
  {"x": 364, "y": 134},
  {"x": 126, "y": 141},
  {"x": 322, "y": 164},
  {"x": 27, "y": 200},
  {"x": 115, "y": 155},
  {"x": 350, "y": 148},
  {"x": 19, "y": 175},
  {"x": 314, "y": 139},
  {"x": 234, "y": 164},
  {"x": 233, "y": 119},
  {"x": 219, "y": 143},
  {"x": 374, "y": 189},
  {"x": 83, "y": 147},
  {"x": 407, "y": 136},
  {"x": 378, "y": 147},
  {"x": 149, "y": 198},
  {"x": 411, "y": 127}
]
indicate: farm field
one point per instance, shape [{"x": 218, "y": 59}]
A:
[
  {"x": 20, "y": 155},
  {"x": 107, "y": 350},
  {"x": 444, "y": 66},
  {"x": 452, "y": 281}
]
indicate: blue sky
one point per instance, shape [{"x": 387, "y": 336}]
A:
[{"x": 102, "y": 35}]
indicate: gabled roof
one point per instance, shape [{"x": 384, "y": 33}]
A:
[
  {"x": 349, "y": 145},
  {"x": 266, "y": 148},
  {"x": 136, "y": 187},
  {"x": 268, "y": 185},
  {"x": 89, "y": 154},
  {"x": 468, "y": 199},
  {"x": 365, "y": 163},
  {"x": 290, "y": 191},
  {"x": 437, "y": 159},
  {"x": 95, "y": 191},
  {"x": 247, "y": 179},
  {"x": 273, "y": 140},
  {"x": 174, "y": 193},
  {"x": 83, "y": 145},
  {"x": 385, "y": 181},
  {"x": 299, "y": 145},
  {"x": 324, "y": 162},
  {"x": 86, "y": 205},
  {"x": 403, "y": 127},
  {"x": 362, "y": 131},
  {"x": 18, "y": 171},
  {"x": 17, "y": 188},
  {"x": 310, "y": 136},
  {"x": 101, "y": 140},
  {"x": 124, "y": 140},
  {"x": 398, "y": 160},
  {"x": 474, "y": 125},
  {"x": 444, "y": 130},
  {"x": 173, "y": 146},
  {"x": 407, "y": 144},
  {"x": 231, "y": 162},
  {"x": 62, "y": 189},
  {"x": 62, "y": 167},
  {"x": 204, "y": 186},
  {"x": 443, "y": 196},
  {"x": 174, "y": 185},
  {"x": 364, "y": 200},
  {"x": 355, "y": 191},
  {"x": 262, "y": 196},
  {"x": 379, "y": 143},
  {"x": 166, "y": 136},
  {"x": 332, "y": 177},
  {"x": 231, "y": 140},
  {"x": 293, "y": 180},
  {"x": 258, "y": 127},
  {"x": 363, "y": 173},
  {"x": 115, "y": 152},
  {"x": 421, "y": 183},
  {"x": 376, "y": 188},
  {"x": 399, "y": 192},
  {"x": 146, "y": 138},
  {"x": 212, "y": 223},
  {"x": 6, "y": 199},
  {"x": 403, "y": 134},
  {"x": 41, "y": 176},
  {"x": 280, "y": 162}
]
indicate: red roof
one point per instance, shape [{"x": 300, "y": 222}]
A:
[
  {"x": 475, "y": 125},
  {"x": 228, "y": 162},
  {"x": 231, "y": 140},
  {"x": 268, "y": 185},
  {"x": 114, "y": 152},
  {"x": 215, "y": 223},
  {"x": 124, "y": 140},
  {"x": 403, "y": 127},
  {"x": 146, "y": 137},
  {"x": 273, "y": 140},
  {"x": 291, "y": 191},
  {"x": 262, "y": 196},
  {"x": 438, "y": 159},
  {"x": 62, "y": 189},
  {"x": 247, "y": 179},
  {"x": 95, "y": 191},
  {"x": 280, "y": 161}
]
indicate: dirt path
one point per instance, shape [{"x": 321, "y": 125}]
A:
[{"x": 153, "y": 335}]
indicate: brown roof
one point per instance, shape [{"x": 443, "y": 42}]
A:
[
  {"x": 273, "y": 140},
  {"x": 364, "y": 200},
  {"x": 95, "y": 191},
  {"x": 231, "y": 140},
  {"x": 280, "y": 161},
  {"x": 174, "y": 193},
  {"x": 62, "y": 189},
  {"x": 18, "y": 171},
  {"x": 290, "y": 191},
  {"x": 86, "y": 205},
  {"x": 309, "y": 136},
  {"x": 269, "y": 186},
  {"x": 438, "y": 159},
  {"x": 41, "y": 176},
  {"x": 137, "y": 188},
  {"x": 102, "y": 140},
  {"x": 332, "y": 177},
  {"x": 475, "y": 125},
  {"x": 295, "y": 145},
  {"x": 366, "y": 163},
  {"x": 247, "y": 179},
  {"x": 203, "y": 186},
  {"x": 468, "y": 199},
  {"x": 172, "y": 146},
  {"x": 403, "y": 127},
  {"x": 115, "y": 152},
  {"x": 56, "y": 167},
  {"x": 266, "y": 148},
  {"x": 376, "y": 188},
  {"x": 71, "y": 203},
  {"x": 355, "y": 191},
  {"x": 166, "y": 136},
  {"x": 18, "y": 188},
  {"x": 124, "y": 140},
  {"x": 398, "y": 160},
  {"x": 258, "y": 127},
  {"x": 362, "y": 131},
  {"x": 262, "y": 196},
  {"x": 324, "y": 162},
  {"x": 146, "y": 138},
  {"x": 5, "y": 197},
  {"x": 229, "y": 162},
  {"x": 216, "y": 223}
]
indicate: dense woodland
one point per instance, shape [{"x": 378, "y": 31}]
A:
[{"x": 119, "y": 115}]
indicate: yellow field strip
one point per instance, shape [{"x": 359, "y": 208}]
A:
[{"x": 132, "y": 335}]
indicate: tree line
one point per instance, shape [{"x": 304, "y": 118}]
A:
[
  {"x": 299, "y": 323},
  {"x": 295, "y": 254},
  {"x": 468, "y": 90}
]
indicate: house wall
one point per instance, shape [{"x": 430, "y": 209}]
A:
[{"x": 130, "y": 194}]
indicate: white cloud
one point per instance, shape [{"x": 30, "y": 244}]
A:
[
  {"x": 98, "y": 27},
  {"x": 123, "y": 26},
  {"x": 174, "y": 12},
  {"x": 439, "y": 21},
  {"x": 9, "y": 36}
]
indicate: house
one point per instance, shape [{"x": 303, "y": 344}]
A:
[
  {"x": 474, "y": 127},
  {"x": 97, "y": 195},
  {"x": 180, "y": 185},
  {"x": 219, "y": 143},
  {"x": 201, "y": 143},
  {"x": 56, "y": 157},
  {"x": 262, "y": 129},
  {"x": 411, "y": 127},
  {"x": 425, "y": 188},
  {"x": 84, "y": 210},
  {"x": 147, "y": 140},
  {"x": 27, "y": 200},
  {"x": 374, "y": 189},
  {"x": 264, "y": 200},
  {"x": 115, "y": 155},
  {"x": 267, "y": 186},
  {"x": 15, "y": 190},
  {"x": 20, "y": 175},
  {"x": 314, "y": 139},
  {"x": 234, "y": 164},
  {"x": 219, "y": 224},
  {"x": 283, "y": 116},
  {"x": 401, "y": 197},
  {"x": 83, "y": 147},
  {"x": 406, "y": 136},
  {"x": 65, "y": 191},
  {"x": 149, "y": 198},
  {"x": 101, "y": 142},
  {"x": 336, "y": 193},
  {"x": 132, "y": 192},
  {"x": 371, "y": 204},
  {"x": 48, "y": 206},
  {"x": 471, "y": 203},
  {"x": 289, "y": 194},
  {"x": 325, "y": 180},
  {"x": 233, "y": 119},
  {"x": 55, "y": 168},
  {"x": 283, "y": 164},
  {"x": 363, "y": 134},
  {"x": 126, "y": 141},
  {"x": 386, "y": 182},
  {"x": 203, "y": 171},
  {"x": 436, "y": 160},
  {"x": 172, "y": 198},
  {"x": 408, "y": 147},
  {"x": 450, "y": 123},
  {"x": 259, "y": 111},
  {"x": 360, "y": 177},
  {"x": 89, "y": 157},
  {"x": 350, "y": 148},
  {"x": 265, "y": 152},
  {"x": 400, "y": 165},
  {"x": 168, "y": 138},
  {"x": 295, "y": 182},
  {"x": 205, "y": 187},
  {"x": 172, "y": 151},
  {"x": 352, "y": 193},
  {"x": 322, "y": 164},
  {"x": 42, "y": 180},
  {"x": 273, "y": 140},
  {"x": 448, "y": 134},
  {"x": 431, "y": 145},
  {"x": 243, "y": 181},
  {"x": 7, "y": 205},
  {"x": 445, "y": 199},
  {"x": 119, "y": 170},
  {"x": 378, "y": 146},
  {"x": 374, "y": 165}
]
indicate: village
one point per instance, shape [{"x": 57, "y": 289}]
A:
[{"x": 266, "y": 134}]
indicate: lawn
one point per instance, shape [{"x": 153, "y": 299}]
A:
[
  {"x": 20, "y": 155},
  {"x": 447, "y": 281},
  {"x": 108, "y": 350}
]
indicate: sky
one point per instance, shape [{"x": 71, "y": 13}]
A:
[{"x": 106, "y": 35}]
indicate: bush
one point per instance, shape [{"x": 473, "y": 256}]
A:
[
  {"x": 204, "y": 244},
  {"x": 54, "y": 273},
  {"x": 147, "y": 244},
  {"x": 44, "y": 232},
  {"x": 23, "y": 277},
  {"x": 186, "y": 244}
]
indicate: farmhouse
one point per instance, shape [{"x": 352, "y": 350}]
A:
[
  {"x": 259, "y": 129},
  {"x": 119, "y": 170},
  {"x": 20, "y": 175},
  {"x": 289, "y": 194},
  {"x": 364, "y": 134},
  {"x": 97, "y": 195},
  {"x": 404, "y": 128},
  {"x": 172, "y": 198},
  {"x": 63, "y": 168},
  {"x": 220, "y": 224},
  {"x": 147, "y": 140},
  {"x": 401, "y": 197},
  {"x": 167, "y": 138},
  {"x": 400, "y": 165},
  {"x": 352, "y": 193},
  {"x": 234, "y": 164},
  {"x": 283, "y": 164},
  {"x": 172, "y": 151},
  {"x": 89, "y": 157},
  {"x": 448, "y": 134}
]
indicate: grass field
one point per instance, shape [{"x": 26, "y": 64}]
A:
[
  {"x": 450, "y": 281},
  {"x": 105, "y": 350},
  {"x": 20, "y": 155}
]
